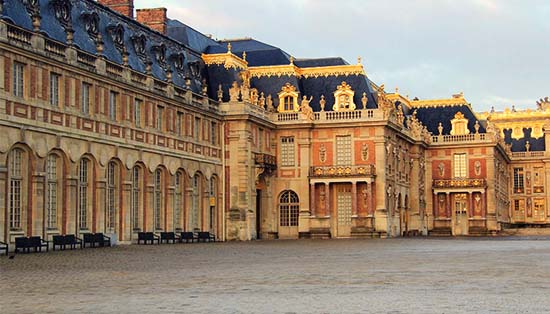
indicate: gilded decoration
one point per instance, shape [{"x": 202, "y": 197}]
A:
[
  {"x": 343, "y": 97},
  {"x": 288, "y": 99},
  {"x": 229, "y": 60},
  {"x": 460, "y": 183},
  {"x": 343, "y": 171},
  {"x": 314, "y": 72},
  {"x": 459, "y": 125},
  {"x": 456, "y": 100}
]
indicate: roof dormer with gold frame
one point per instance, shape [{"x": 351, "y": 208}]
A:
[
  {"x": 288, "y": 99},
  {"x": 343, "y": 98},
  {"x": 459, "y": 125}
]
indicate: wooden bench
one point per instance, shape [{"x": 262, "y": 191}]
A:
[
  {"x": 4, "y": 247},
  {"x": 148, "y": 237},
  {"x": 187, "y": 237},
  {"x": 96, "y": 238},
  {"x": 168, "y": 236},
  {"x": 205, "y": 236},
  {"x": 25, "y": 244},
  {"x": 63, "y": 241}
]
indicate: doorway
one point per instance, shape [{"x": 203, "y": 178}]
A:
[
  {"x": 343, "y": 210},
  {"x": 289, "y": 209},
  {"x": 258, "y": 214},
  {"x": 460, "y": 214}
]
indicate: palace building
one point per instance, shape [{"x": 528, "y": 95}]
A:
[{"x": 120, "y": 124}]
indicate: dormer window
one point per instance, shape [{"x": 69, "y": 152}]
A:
[
  {"x": 288, "y": 99},
  {"x": 343, "y": 97},
  {"x": 459, "y": 125}
]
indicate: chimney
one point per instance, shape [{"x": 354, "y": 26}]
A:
[
  {"x": 125, "y": 7},
  {"x": 153, "y": 18}
]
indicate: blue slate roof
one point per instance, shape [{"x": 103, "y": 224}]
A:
[
  {"x": 257, "y": 53},
  {"x": 536, "y": 145},
  {"x": 189, "y": 36},
  {"x": 14, "y": 11},
  {"x": 321, "y": 62},
  {"x": 431, "y": 117}
]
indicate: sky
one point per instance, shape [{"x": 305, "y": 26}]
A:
[{"x": 495, "y": 51}]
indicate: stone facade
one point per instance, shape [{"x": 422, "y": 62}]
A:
[{"x": 113, "y": 127}]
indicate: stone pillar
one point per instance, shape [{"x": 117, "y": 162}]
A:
[
  {"x": 354, "y": 199},
  {"x": 312, "y": 199},
  {"x": 3, "y": 219},
  {"x": 70, "y": 224},
  {"x": 483, "y": 204},
  {"x": 470, "y": 204},
  {"x": 35, "y": 208},
  {"x": 125, "y": 212},
  {"x": 327, "y": 199},
  {"x": 448, "y": 205},
  {"x": 435, "y": 205}
]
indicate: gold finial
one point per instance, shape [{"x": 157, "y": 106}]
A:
[
  {"x": 244, "y": 55},
  {"x": 292, "y": 60},
  {"x": 359, "y": 60},
  {"x": 228, "y": 47},
  {"x": 397, "y": 90}
]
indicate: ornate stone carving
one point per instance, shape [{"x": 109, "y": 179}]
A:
[
  {"x": 305, "y": 108},
  {"x": 343, "y": 97},
  {"x": 234, "y": 92},
  {"x": 179, "y": 62},
  {"x": 322, "y": 103},
  {"x": 365, "y": 152},
  {"x": 459, "y": 125},
  {"x": 220, "y": 93},
  {"x": 62, "y": 10},
  {"x": 159, "y": 53},
  {"x": 543, "y": 104},
  {"x": 477, "y": 168},
  {"x": 139, "y": 43},
  {"x": 322, "y": 153},
  {"x": 288, "y": 99},
  {"x": 33, "y": 9},
  {"x": 117, "y": 35},
  {"x": 364, "y": 101},
  {"x": 91, "y": 24}
]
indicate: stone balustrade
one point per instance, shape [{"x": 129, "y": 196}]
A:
[{"x": 342, "y": 171}]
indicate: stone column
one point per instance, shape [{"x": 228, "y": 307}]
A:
[
  {"x": 70, "y": 223},
  {"x": 435, "y": 205},
  {"x": 470, "y": 204},
  {"x": 448, "y": 205},
  {"x": 327, "y": 199},
  {"x": 354, "y": 199},
  {"x": 483, "y": 204},
  {"x": 312, "y": 199}
]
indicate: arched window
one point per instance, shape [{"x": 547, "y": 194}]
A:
[
  {"x": 179, "y": 187},
  {"x": 135, "y": 198},
  {"x": 15, "y": 188},
  {"x": 157, "y": 202},
  {"x": 112, "y": 196},
  {"x": 52, "y": 190},
  {"x": 83, "y": 191},
  {"x": 289, "y": 208},
  {"x": 195, "y": 213}
]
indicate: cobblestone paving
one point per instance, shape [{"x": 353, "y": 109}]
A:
[{"x": 509, "y": 275}]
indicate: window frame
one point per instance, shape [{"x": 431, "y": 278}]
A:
[{"x": 18, "y": 79}]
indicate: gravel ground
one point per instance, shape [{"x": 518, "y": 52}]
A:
[{"x": 481, "y": 275}]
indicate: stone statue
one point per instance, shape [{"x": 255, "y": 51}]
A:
[
  {"x": 306, "y": 108},
  {"x": 270, "y": 106},
  {"x": 440, "y": 129},
  {"x": 322, "y": 102},
  {"x": 204, "y": 88},
  {"x": 234, "y": 92},
  {"x": 220, "y": 93},
  {"x": 262, "y": 100}
]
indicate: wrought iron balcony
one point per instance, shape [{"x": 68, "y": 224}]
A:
[
  {"x": 265, "y": 161},
  {"x": 460, "y": 183},
  {"x": 342, "y": 171}
]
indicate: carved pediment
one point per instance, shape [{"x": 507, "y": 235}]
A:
[{"x": 459, "y": 125}]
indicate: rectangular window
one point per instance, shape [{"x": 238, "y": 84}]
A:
[
  {"x": 160, "y": 113},
  {"x": 179, "y": 123},
  {"x": 343, "y": 150},
  {"x": 158, "y": 199},
  {"x": 519, "y": 210},
  {"x": 54, "y": 89},
  {"x": 86, "y": 98},
  {"x": 538, "y": 212},
  {"x": 287, "y": 151},
  {"x": 138, "y": 104},
  {"x": 518, "y": 180},
  {"x": 197, "y": 128},
  {"x": 113, "y": 105},
  {"x": 459, "y": 163},
  {"x": 18, "y": 70},
  {"x": 213, "y": 133}
]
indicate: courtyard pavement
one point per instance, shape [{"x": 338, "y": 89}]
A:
[{"x": 487, "y": 275}]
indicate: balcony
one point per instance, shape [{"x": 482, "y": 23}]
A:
[
  {"x": 451, "y": 139},
  {"x": 460, "y": 183},
  {"x": 342, "y": 171},
  {"x": 268, "y": 162}
]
